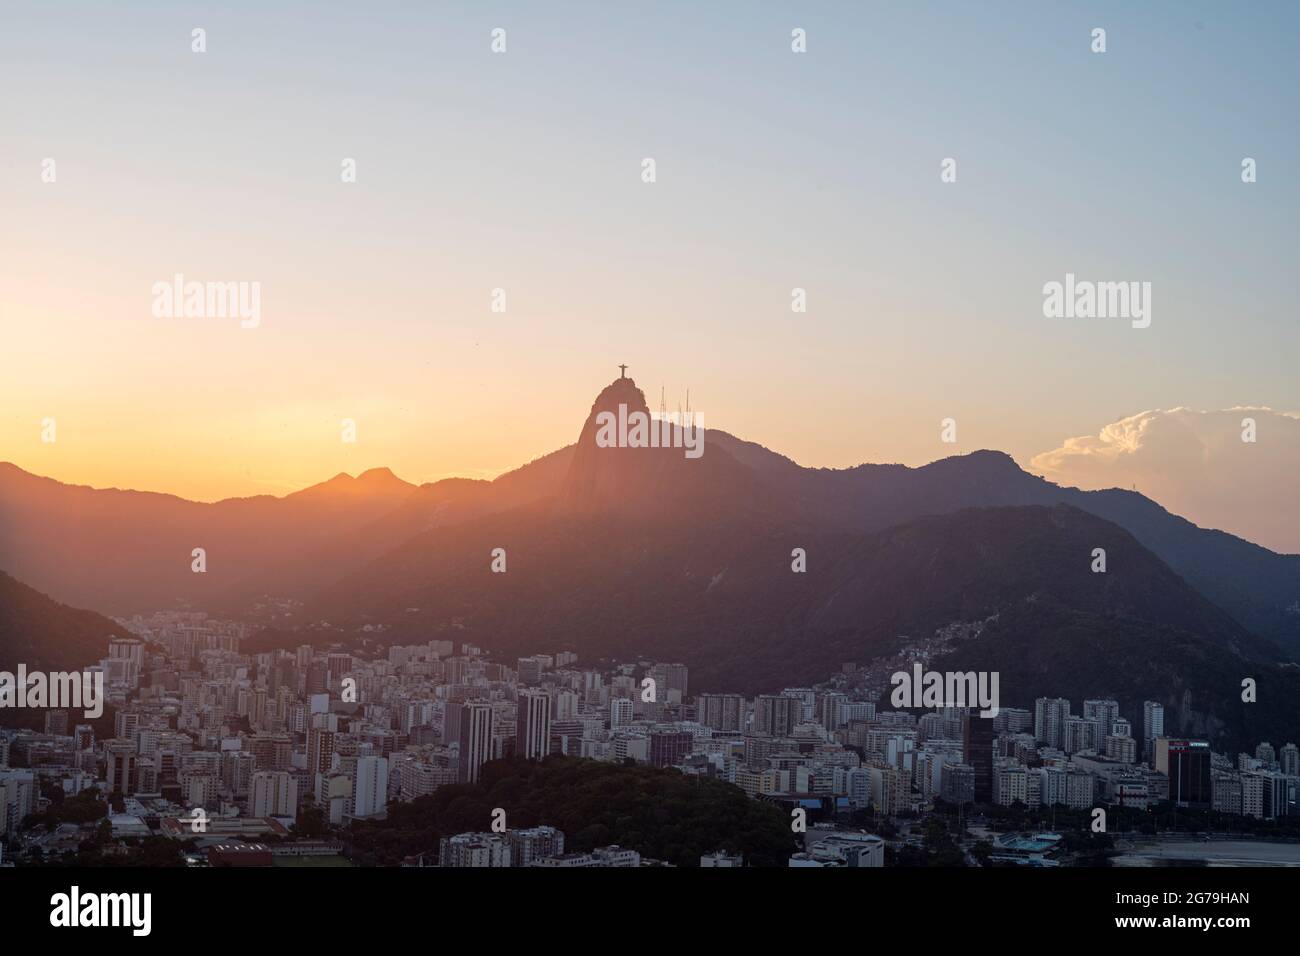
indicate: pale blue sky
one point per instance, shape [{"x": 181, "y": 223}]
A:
[{"x": 521, "y": 170}]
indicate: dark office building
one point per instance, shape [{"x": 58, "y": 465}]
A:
[
  {"x": 957, "y": 783},
  {"x": 1187, "y": 765},
  {"x": 669, "y": 748},
  {"x": 977, "y": 748},
  {"x": 318, "y": 677},
  {"x": 56, "y": 722}
]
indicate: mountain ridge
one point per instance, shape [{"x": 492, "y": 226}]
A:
[
  {"x": 265, "y": 548},
  {"x": 43, "y": 634}
]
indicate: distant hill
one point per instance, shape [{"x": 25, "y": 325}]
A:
[
  {"x": 45, "y": 635},
  {"x": 1257, "y": 586},
  {"x": 721, "y": 597},
  {"x": 129, "y": 551}
]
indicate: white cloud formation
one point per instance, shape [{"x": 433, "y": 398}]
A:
[{"x": 1196, "y": 465}]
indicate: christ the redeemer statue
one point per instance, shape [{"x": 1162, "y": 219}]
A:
[{"x": 622, "y": 369}]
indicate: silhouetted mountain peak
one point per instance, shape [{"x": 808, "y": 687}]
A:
[
  {"x": 379, "y": 477},
  {"x": 630, "y": 462},
  {"x": 985, "y": 462},
  {"x": 621, "y": 391},
  {"x": 992, "y": 458},
  {"x": 600, "y": 474},
  {"x": 373, "y": 482}
]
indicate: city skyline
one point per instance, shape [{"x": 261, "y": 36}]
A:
[
  {"x": 451, "y": 713},
  {"x": 660, "y": 437}
]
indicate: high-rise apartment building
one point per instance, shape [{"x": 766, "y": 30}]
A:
[
  {"x": 1050, "y": 715},
  {"x": 274, "y": 793},
  {"x": 1153, "y": 726},
  {"x": 721, "y": 712},
  {"x": 476, "y": 722},
  {"x": 370, "y": 789},
  {"x": 533, "y": 725}
]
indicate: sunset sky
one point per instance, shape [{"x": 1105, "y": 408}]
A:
[{"x": 522, "y": 170}]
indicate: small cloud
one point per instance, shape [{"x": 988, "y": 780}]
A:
[{"x": 1195, "y": 464}]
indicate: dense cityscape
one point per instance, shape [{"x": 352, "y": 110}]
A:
[{"x": 210, "y": 756}]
